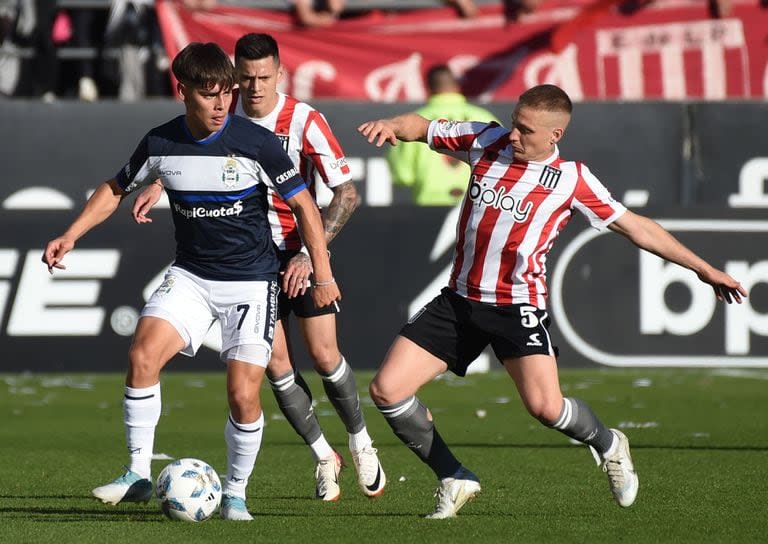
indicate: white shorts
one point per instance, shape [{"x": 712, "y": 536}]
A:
[{"x": 247, "y": 311}]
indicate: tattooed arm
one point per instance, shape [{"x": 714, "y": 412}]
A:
[{"x": 335, "y": 216}]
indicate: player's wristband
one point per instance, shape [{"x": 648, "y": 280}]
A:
[{"x": 324, "y": 283}]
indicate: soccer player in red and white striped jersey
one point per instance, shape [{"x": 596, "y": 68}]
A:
[{"x": 521, "y": 194}]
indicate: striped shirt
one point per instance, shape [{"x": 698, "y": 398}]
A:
[
  {"x": 512, "y": 213},
  {"x": 218, "y": 189},
  {"x": 312, "y": 147}
]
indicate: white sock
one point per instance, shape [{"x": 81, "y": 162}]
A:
[
  {"x": 141, "y": 412},
  {"x": 360, "y": 440},
  {"x": 321, "y": 449},
  {"x": 243, "y": 444}
]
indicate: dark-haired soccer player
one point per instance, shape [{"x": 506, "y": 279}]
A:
[
  {"x": 520, "y": 195},
  {"x": 217, "y": 169},
  {"x": 314, "y": 150}
]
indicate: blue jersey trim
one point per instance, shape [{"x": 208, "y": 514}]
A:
[
  {"x": 294, "y": 191},
  {"x": 211, "y": 137},
  {"x": 227, "y": 197}
]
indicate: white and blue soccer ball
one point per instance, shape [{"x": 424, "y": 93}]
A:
[{"x": 189, "y": 490}]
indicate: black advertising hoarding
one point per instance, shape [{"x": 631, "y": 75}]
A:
[{"x": 611, "y": 304}]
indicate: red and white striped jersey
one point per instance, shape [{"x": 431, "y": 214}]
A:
[
  {"x": 512, "y": 213},
  {"x": 312, "y": 147}
]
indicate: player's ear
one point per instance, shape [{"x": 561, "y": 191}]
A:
[
  {"x": 180, "y": 89},
  {"x": 557, "y": 134}
]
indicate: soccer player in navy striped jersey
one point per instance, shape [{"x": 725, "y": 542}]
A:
[
  {"x": 216, "y": 169},
  {"x": 313, "y": 148}
]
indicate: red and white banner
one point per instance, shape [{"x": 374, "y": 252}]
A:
[{"x": 669, "y": 50}]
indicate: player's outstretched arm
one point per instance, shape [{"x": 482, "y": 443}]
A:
[
  {"x": 650, "y": 236},
  {"x": 325, "y": 291},
  {"x": 144, "y": 202},
  {"x": 100, "y": 206},
  {"x": 409, "y": 127}
]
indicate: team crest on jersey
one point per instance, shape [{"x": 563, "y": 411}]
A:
[
  {"x": 230, "y": 176},
  {"x": 284, "y": 140},
  {"x": 549, "y": 177}
]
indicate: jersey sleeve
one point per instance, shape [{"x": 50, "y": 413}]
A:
[
  {"x": 454, "y": 135},
  {"x": 321, "y": 147},
  {"x": 594, "y": 200},
  {"x": 140, "y": 170},
  {"x": 282, "y": 175}
]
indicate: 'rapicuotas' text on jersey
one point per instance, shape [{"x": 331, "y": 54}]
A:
[
  {"x": 218, "y": 189},
  {"x": 512, "y": 213}
]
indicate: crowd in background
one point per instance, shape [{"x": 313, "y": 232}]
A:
[{"x": 116, "y": 50}]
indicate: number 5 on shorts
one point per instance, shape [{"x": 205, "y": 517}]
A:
[{"x": 528, "y": 317}]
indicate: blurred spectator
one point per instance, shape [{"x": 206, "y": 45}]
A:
[
  {"x": 82, "y": 23},
  {"x": 436, "y": 179},
  {"x": 199, "y": 5},
  {"x": 45, "y": 65},
  {"x": 513, "y": 9},
  {"x": 317, "y": 13},
  {"x": 465, "y": 8},
  {"x": 132, "y": 27}
]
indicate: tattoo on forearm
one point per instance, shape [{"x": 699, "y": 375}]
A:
[{"x": 345, "y": 201}]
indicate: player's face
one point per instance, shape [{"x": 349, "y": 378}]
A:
[
  {"x": 207, "y": 108},
  {"x": 258, "y": 81},
  {"x": 535, "y": 133}
]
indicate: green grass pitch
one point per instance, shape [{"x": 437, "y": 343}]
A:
[{"x": 699, "y": 441}]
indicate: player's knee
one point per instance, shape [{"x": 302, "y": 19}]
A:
[
  {"x": 326, "y": 357},
  {"x": 143, "y": 363},
  {"x": 380, "y": 394},
  {"x": 244, "y": 402},
  {"x": 547, "y": 411}
]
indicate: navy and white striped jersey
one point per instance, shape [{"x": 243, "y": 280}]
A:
[{"x": 217, "y": 188}]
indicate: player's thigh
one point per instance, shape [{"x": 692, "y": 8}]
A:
[
  {"x": 405, "y": 369},
  {"x": 319, "y": 334},
  {"x": 537, "y": 381},
  {"x": 182, "y": 301},
  {"x": 155, "y": 339},
  {"x": 247, "y": 312}
]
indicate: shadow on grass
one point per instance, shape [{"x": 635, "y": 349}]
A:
[
  {"x": 633, "y": 446},
  {"x": 58, "y": 515}
]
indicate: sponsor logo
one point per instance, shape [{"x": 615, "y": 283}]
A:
[
  {"x": 534, "y": 340},
  {"x": 230, "y": 175},
  {"x": 288, "y": 174},
  {"x": 339, "y": 163},
  {"x": 169, "y": 173},
  {"x": 666, "y": 315},
  {"x": 499, "y": 198},
  {"x": 200, "y": 212},
  {"x": 166, "y": 286},
  {"x": 448, "y": 125},
  {"x": 549, "y": 177}
]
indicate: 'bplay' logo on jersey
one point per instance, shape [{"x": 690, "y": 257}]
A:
[{"x": 499, "y": 198}]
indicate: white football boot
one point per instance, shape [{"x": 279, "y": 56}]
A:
[
  {"x": 621, "y": 472},
  {"x": 454, "y": 492},
  {"x": 234, "y": 509},
  {"x": 370, "y": 475},
  {"x": 130, "y": 487},
  {"x": 327, "y": 477}
]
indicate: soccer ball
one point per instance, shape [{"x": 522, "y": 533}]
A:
[{"x": 189, "y": 490}]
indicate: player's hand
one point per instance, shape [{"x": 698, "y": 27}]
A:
[
  {"x": 55, "y": 251},
  {"x": 380, "y": 131},
  {"x": 144, "y": 202},
  {"x": 726, "y": 288},
  {"x": 296, "y": 275},
  {"x": 325, "y": 294}
]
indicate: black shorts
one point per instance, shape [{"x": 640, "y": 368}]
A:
[
  {"x": 303, "y": 305},
  {"x": 456, "y": 330}
]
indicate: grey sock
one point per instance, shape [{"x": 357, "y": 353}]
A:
[
  {"x": 410, "y": 421},
  {"x": 341, "y": 389},
  {"x": 579, "y": 422},
  {"x": 295, "y": 402}
]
